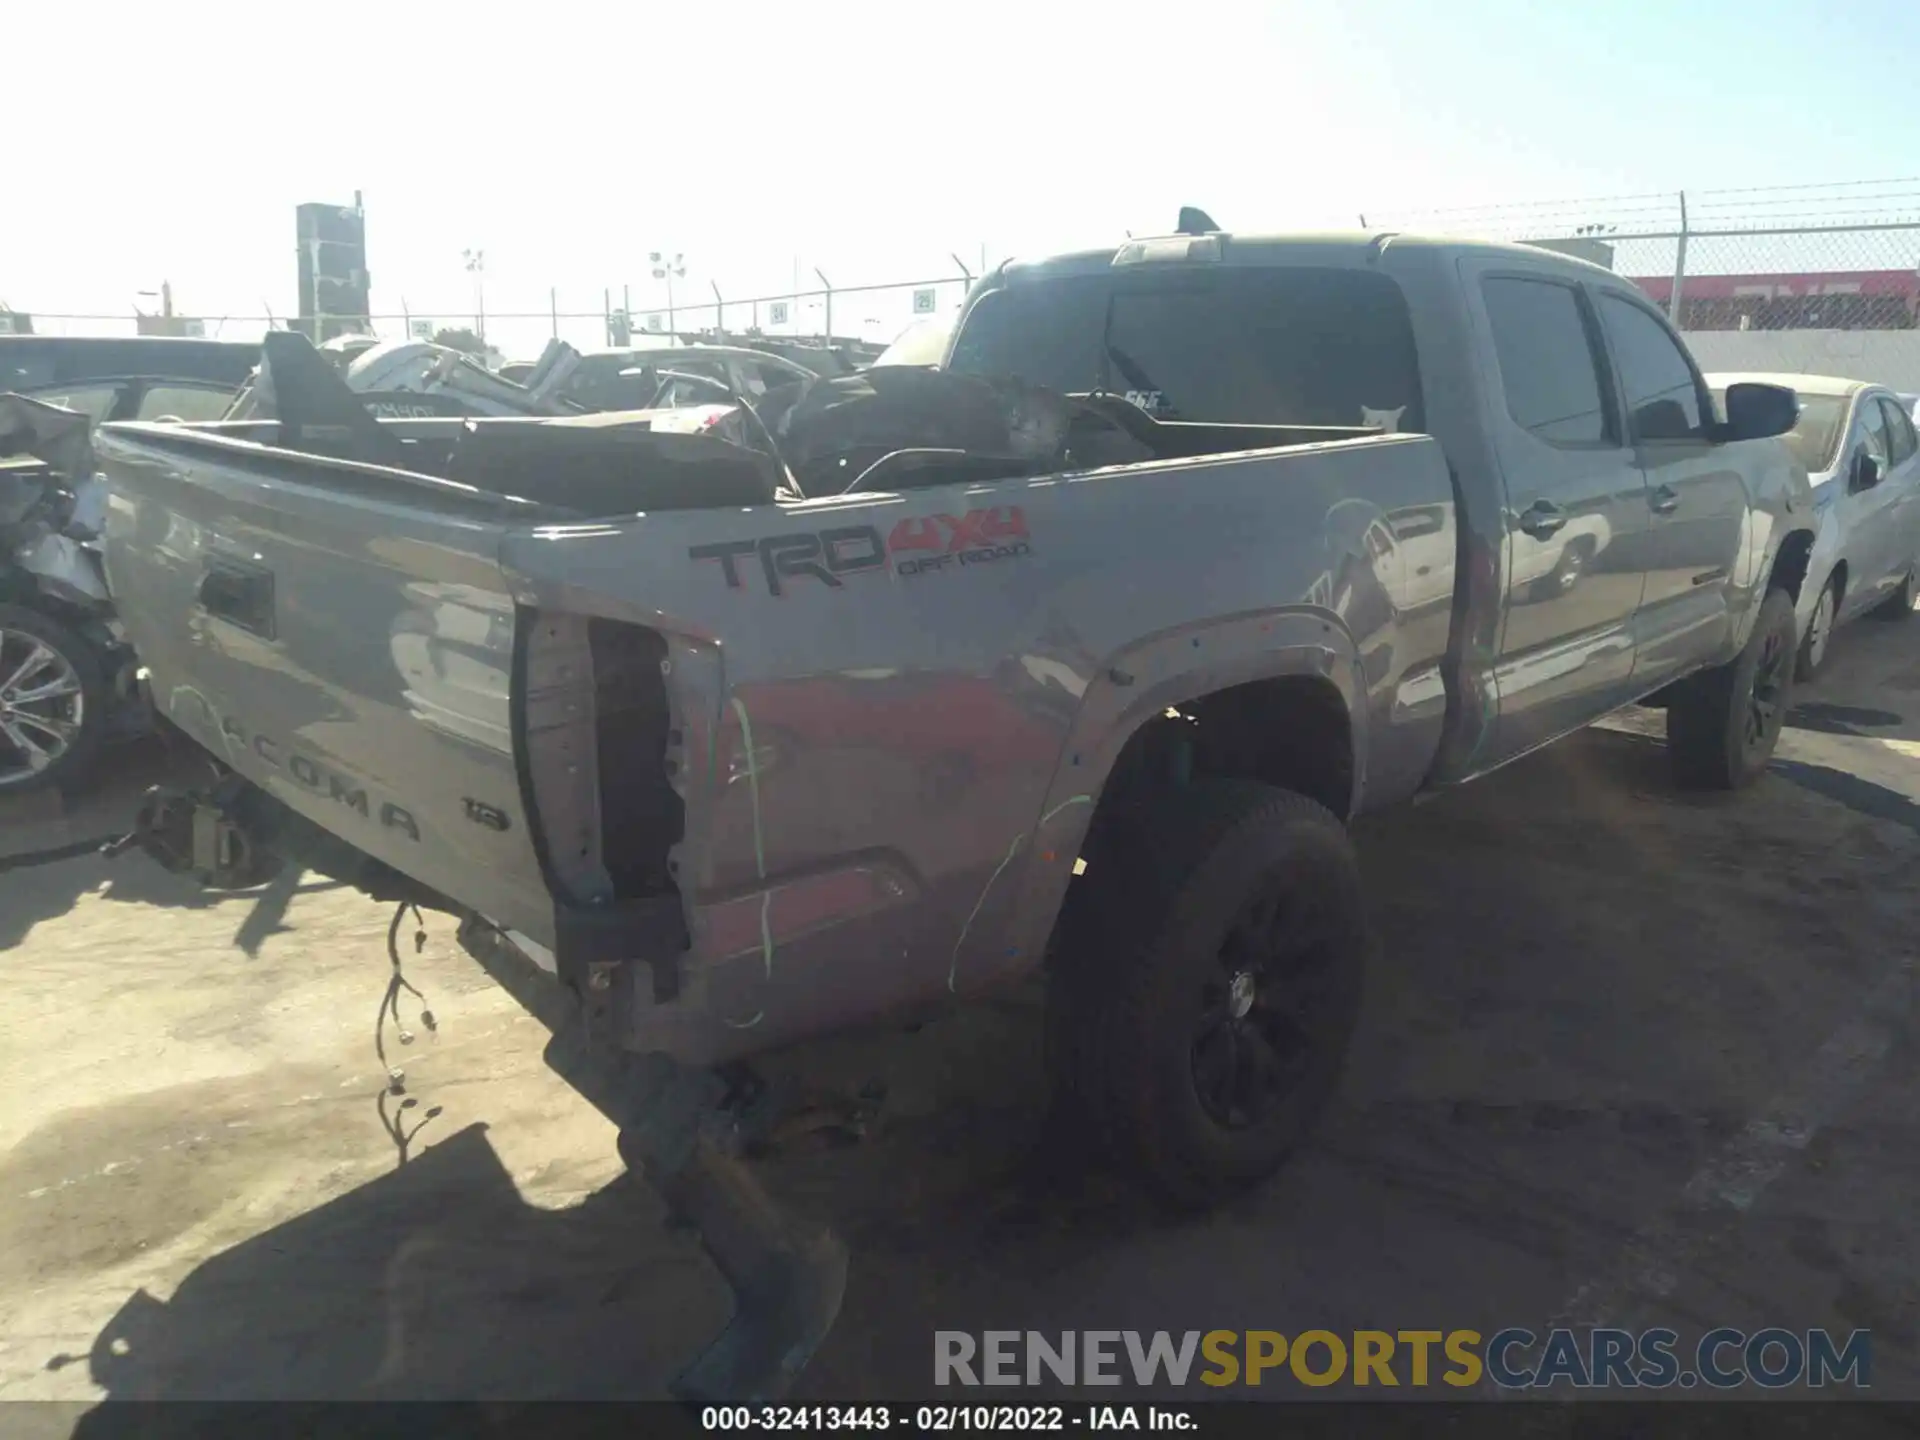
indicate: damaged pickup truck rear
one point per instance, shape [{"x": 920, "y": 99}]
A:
[{"x": 1079, "y": 651}]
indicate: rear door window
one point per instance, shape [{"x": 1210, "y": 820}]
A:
[
  {"x": 1548, "y": 370},
  {"x": 1873, "y": 433},
  {"x": 1663, "y": 389},
  {"x": 1901, "y": 441},
  {"x": 1273, "y": 345}
]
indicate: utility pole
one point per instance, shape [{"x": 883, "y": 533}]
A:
[{"x": 1675, "y": 313}]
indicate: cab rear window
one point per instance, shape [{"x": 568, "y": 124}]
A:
[{"x": 1280, "y": 345}]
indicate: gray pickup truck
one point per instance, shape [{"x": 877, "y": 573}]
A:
[{"x": 767, "y": 746}]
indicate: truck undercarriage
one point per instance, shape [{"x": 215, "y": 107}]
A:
[{"x": 684, "y": 1127}]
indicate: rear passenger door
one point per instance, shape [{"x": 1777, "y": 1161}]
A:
[
  {"x": 1575, "y": 505},
  {"x": 1697, "y": 497}
]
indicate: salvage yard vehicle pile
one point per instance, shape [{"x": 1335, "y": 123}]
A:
[{"x": 646, "y": 711}]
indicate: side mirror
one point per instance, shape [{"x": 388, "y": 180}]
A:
[
  {"x": 1866, "y": 471},
  {"x": 1759, "y": 412}
]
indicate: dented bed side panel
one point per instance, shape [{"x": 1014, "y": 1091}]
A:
[
  {"x": 894, "y": 713},
  {"x": 805, "y": 763}
]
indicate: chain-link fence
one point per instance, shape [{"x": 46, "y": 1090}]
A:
[
  {"x": 1805, "y": 278},
  {"x": 1808, "y": 277},
  {"x": 870, "y": 316},
  {"x": 1832, "y": 257}
]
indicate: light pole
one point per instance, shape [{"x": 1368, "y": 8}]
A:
[
  {"x": 667, "y": 270},
  {"x": 476, "y": 267}
]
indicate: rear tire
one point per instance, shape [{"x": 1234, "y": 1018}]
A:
[
  {"x": 1723, "y": 725},
  {"x": 54, "y": 700},
  {"x": 1206, "y": 984}
]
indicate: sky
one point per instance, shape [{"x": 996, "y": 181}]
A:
[{"x": 878, "y": 141}]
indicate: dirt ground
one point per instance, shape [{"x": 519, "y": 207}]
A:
[{"x": 1629, "y": 1056}]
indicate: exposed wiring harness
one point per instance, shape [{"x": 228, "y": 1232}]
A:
[
  {"x": 393, "y": 1120},
  {"x": 390, "y": 1001}
]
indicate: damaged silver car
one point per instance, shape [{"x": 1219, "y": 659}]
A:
[{"x": 68, "y": 681}]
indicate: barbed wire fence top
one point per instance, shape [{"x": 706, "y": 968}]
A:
[
  {"x": 1839, "y": 256},
  {"x": 1833, "y": 256},
  {"x": 869, "y": 313}
]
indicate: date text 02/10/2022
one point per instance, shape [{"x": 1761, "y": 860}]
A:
[{"x": 941, "y": 1419}]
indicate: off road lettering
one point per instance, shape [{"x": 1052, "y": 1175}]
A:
[
  {"x": 983, "y": 556},
  {"x": 950, "y": 534},
  {"x": 825, "y": 556},
  {"x": 918, "y": 544}
]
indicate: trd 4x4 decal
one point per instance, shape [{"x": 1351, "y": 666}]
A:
[{"x": 918, "y": 545}]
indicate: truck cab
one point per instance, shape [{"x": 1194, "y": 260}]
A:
[{"x": 1614, "y": 533}]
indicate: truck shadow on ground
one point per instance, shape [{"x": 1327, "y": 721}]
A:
[
  {"x": 435, "y": 1281},
  {"x": 50, "y": 842},
  {"x": 33, "y": 893},
  {"x": 50, "y": 851}
]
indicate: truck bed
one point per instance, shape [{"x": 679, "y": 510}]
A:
[{"x": 742, "y": 742}]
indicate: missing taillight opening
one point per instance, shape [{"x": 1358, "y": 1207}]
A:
[{"x": 641, "y": 815}]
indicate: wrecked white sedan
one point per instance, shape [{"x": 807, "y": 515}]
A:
[{"x": 1859, "y": 446}]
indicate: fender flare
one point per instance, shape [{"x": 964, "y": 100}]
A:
[{"x": 1129, "y": 688}]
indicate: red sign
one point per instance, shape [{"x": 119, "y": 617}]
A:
[{"x": 1900, "y": 284}]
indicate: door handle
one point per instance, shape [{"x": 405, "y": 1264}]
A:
[
  {"x": 1664, "y": 500},
  {"x": 1542, "y": 519}
]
